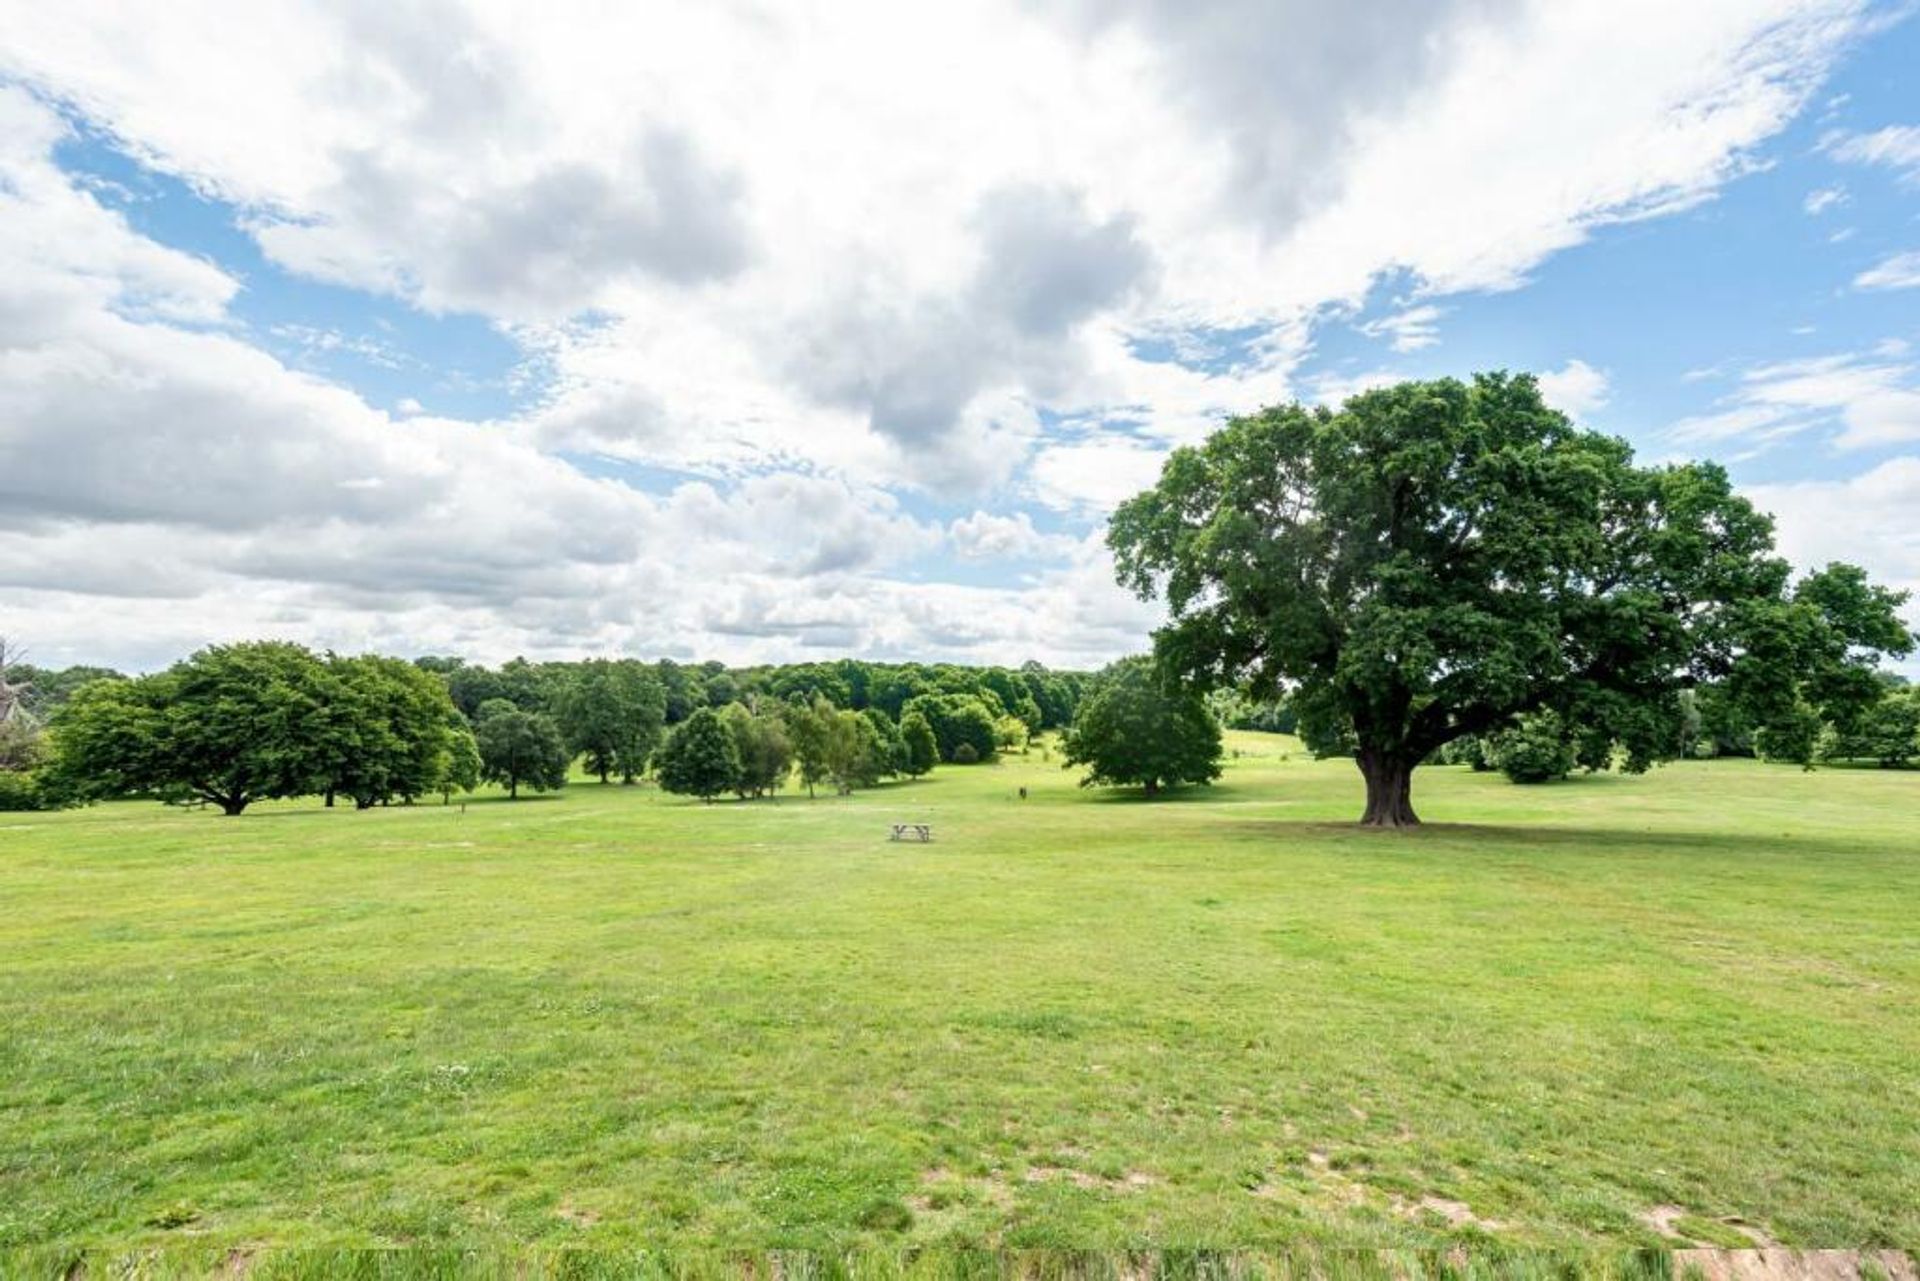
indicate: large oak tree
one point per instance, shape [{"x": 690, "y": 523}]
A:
[
  {"x": 231, "y": 725},
  {"x": 1437, "y": 559}
]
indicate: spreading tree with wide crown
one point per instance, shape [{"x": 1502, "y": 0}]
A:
[{"x": 1437, "y": 559}]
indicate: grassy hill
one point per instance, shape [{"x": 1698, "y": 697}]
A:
[{"x": 1616, "y": 1011}]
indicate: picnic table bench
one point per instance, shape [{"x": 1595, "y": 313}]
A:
[{"x": 912, "y": 832}]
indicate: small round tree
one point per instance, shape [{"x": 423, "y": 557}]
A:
[
  {"x": 922, "y": 748},
  {"x": 520, "y": 748},
  {"x": 1135, "y": 728},
  {"x": 1536, "y": 750},
  {"x": 699, "y": 757}
]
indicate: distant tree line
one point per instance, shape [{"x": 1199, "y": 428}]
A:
[
  {"x": 1880, "y": 727},
  {"x": 235, "y": 724}
]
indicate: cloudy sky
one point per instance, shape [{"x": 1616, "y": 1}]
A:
[{"x": 754, "y": 332}]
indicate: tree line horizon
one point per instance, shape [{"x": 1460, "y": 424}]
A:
[{"x": 1439, "y": 570}]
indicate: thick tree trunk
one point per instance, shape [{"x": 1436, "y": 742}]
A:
[
  {"x": 513, "y": 788},
  {"x": 1153, "y": 787},
  {"x": 234, "y": 805},
  {"x": 329, "y": 798},
  {"x": 1389, "y": 789}
]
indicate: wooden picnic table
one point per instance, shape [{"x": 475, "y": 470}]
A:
[{"x": 912, "y": 831}]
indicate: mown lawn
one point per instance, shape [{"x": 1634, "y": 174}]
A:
[{"x": 1613, "y": 1012}]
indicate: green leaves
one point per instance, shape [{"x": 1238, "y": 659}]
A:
[
  {"x": 1135, "y": 729},
  {"x": 699, "y": 758},
  {"x": 231, "y": 725},
  {"x": 612, "y": 713},
  {"x": 520, "y": 749},
  {"x": 1439, "y": 559}
]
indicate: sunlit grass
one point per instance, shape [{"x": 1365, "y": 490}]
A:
[{"x": 617, "y": 1019}]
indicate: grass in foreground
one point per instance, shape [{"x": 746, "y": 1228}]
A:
[{"x": 1617, "y": 1012}]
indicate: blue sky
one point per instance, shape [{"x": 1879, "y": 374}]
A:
[{"x": 456, "y": 332}]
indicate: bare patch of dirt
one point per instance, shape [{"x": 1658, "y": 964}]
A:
[
  {"x": 1684, "y": 1227},
  {"x": 1752, "y": 1231},
  {"x": 991, "y": 1188},
  {"x": 1335, "y": 1184},
  {"x": 1458, "y": 1214},
  {"x": 1662, "y": 1218},
  {"x": 575, "y": 1215},
  {"x": 1779, "y": 1264},
  {"x": 1131, "y": 1181}
]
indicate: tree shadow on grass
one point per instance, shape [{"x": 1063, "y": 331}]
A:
[
  {"x": 1505, "y": 839},
  {"x": 274, "y": 810},
  {"x": 1138, "y": 795}
]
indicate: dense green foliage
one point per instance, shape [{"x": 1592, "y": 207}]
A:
[
  {"x": 1535, "y": 749},
  {"x": 611, "y": 713},
  {"x": 520, "y": 748},
  {"x": 1134, "y": 727},
  {"x": 958, "y": 720},
  {"x": 763, "y": 749},
  {"x": 1438, "y": 559},
  {"x": 920, "y": 750},
  {"x": 699, "y": 757},
  {"x": 617, "y": 1023},
  {"x": 1887, "y": 733},
  {"x": 231, "y": 725},
  {"x": 236, "y": 724},
  {"x": 378, "y": 730},
  {"x": 1040, "y": 698},
  {"x": 388, "y": 732},
  {"x": 1234, "y": 710},
  {"x": 40, "y": 692}
]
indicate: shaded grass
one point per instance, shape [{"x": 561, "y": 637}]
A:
[{"x": 615, "y": 1019}]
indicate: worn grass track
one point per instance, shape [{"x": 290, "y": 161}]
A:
[{"x": 613, "y": 1018}]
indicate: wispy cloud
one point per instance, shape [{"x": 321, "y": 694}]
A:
[
  {"x": 1894, "y": 147},
  {"x": 1414, "y": 329},
  {"x": 1900, "y": 271},
  {"x": 1867, "y": 399},
  {"x": 1822, "y": 199}
]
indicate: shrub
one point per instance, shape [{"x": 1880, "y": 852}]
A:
[
  {"x": 1534, "y": 751},
  {"x": 965, "y": 755},
  {"x": 1470, "y": 751},
  {"x": 1887, "y": 733},
  {"x": 20, "y": 790}
]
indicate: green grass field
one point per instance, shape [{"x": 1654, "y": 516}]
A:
[{"x": 1613, "y": 1012}]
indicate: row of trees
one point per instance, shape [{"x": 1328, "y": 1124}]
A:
[
  {"x": 1040, "y": 699},
  {"x": 239, "y": 723},
  {"x": 752, "y": 752},
  {"x": 1541, "y": 747}
]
